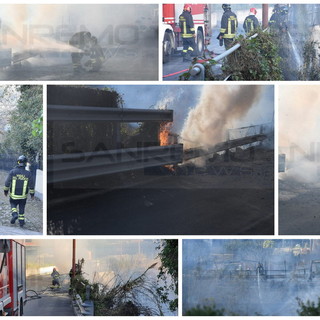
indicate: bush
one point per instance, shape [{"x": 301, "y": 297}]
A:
[
  {"x": 256, "y": 59},
  {"x": 205, "y": 311},
  {"x": 309, "y": 308}
]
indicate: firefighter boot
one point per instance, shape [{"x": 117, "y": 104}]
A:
[
  {"x": 187, "y": 56},
  {"x": 14, "y": 217},
  {"x": 21, "y": 220}
]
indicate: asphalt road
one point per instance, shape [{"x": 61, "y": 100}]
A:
[
  {"x": 195, "y": 205},
  {"x": 298, "y": 208},
  {"x": 176, "y": 66},
  {"x": 50, "y": 304}
]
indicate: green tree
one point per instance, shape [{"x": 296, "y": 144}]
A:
[
  {"x": 169, "y": 266},
  {"x": 25, "y": 121}
]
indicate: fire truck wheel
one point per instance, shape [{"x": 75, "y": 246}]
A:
[
  {"x": 200, "y": 43},
  {"x": 167, "y": 47}
]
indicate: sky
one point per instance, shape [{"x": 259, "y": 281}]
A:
[{"x": 183, "y": 98}]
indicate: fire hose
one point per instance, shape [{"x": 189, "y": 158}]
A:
[
  {"x": 38, "y": 294},
  {"x": 198, "y": 68}
]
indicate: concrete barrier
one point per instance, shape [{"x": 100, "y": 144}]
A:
[{"x": 39, "y": 184}]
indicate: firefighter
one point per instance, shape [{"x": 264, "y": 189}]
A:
[
  {"x": 82, "y": 41},
  {"x": 229, "y": 25},
  {"x": 97, "y": 55},
  {"x": 187, "y": 32},
  {"x": 251, "y": 22},
  {"x": 55, "y": 275},
  {"x": 277, "y": 22},
  {"x": 18, "y": 183}
]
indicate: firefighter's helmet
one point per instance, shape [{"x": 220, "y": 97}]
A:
[
  {"x": 22, "y": 161},
  {"x": 276, "y": 8},
  {"x": 187, "y": 7},
  {"x": 253, "y": 10},
  {"x": 226, "y": 6}
]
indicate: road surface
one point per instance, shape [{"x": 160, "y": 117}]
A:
[
  {"x": 50, "y": 304},
  {"x": 204, "y": 204},
  {"x": 298, "y": 208},
  {"x": 176, "y": 66}
]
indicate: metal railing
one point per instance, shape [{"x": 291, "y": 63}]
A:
[{"x": 67, "y": 167}]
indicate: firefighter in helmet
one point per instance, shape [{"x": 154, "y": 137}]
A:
[
  {"x": 229, "y": 25},
  {"x": 55, "y": 275},
  {"x": 278, "y": 20},
  {"x": 89, "y": 56},
  {"x": 187, "y": 32},
  {"x": 251, "y": 22},
  {"x": 18, "y": 184}
]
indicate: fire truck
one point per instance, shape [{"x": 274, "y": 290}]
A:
[
  {"x": 172, "y": 40},
  {"x": 12, "y": 277}
]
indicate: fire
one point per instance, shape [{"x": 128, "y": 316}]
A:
[{"x": 164, "y": 134}]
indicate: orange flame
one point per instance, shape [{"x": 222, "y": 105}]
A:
[{"x": 164, "y": 134}]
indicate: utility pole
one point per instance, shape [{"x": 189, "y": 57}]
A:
[
  {"x": 265, "y": 10},
  {"x": 73, "y": 258}
]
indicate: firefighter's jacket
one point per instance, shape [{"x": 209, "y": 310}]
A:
[
  {"x": 55, "y": 275},
  {"x": 278, "y": 21},
  {"x": 251, "y": 23},
  {"x": 186, "y": 25},
  {"x": 19, "y": 183},
  {"x": 229, "y": 25}
]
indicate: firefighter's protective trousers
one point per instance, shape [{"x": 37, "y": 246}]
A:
[{"x": 14, "y": 208}]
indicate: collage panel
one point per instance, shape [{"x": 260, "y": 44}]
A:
[
  {"x": 251, "y": 277},
  {"x": 89, "y": 277},
  {"x": 157, "y": 159},
  {"x": 21, "y": 160},
  {"x": 240, "y": 42},
  {"x": 299, "y": 159},
  {"x": 44, "y": 42}
]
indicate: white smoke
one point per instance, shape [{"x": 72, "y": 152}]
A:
[
  {"x": 219, "y": 107},
  {"x": 299, "y": 123}
]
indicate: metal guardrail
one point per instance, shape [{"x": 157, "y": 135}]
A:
[
  {"x": 67, "y": 167},
  {"x": 222, "y": 146},
  {"x": 91, "y": 113}
]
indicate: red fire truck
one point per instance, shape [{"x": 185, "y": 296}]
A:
[
  {"x": 12, "y": 277},
  {"x": 172, "y": 40}
]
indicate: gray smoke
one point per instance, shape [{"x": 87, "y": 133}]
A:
[{"x": 218, "y": 108}]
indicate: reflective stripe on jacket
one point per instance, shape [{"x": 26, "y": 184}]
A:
[
  {"x": 250, "y": 24},
  {"x": 229, "y": 25},
  {"x": 19, "y": 182},
  {"x": 186, "y": 25}
]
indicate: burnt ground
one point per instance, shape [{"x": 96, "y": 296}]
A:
[
  {"x": 298, "y": 208},
  {"x": 224, "y": 198},
  {"x": 33, "y": 213}
]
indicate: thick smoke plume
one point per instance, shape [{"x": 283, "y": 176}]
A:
[
  {"x": 299, "y": 123},
  {"x": 218, "y": 108}
]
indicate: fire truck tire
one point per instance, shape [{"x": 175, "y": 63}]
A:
[
  {"x": 200, "y": 43},
  {"x": 167, "y": 47}
]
